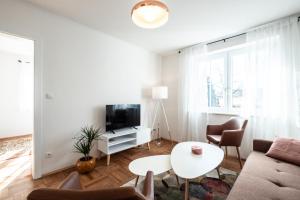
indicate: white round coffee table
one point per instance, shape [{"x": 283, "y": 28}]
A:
[
  {"x": 157, "y": 164},
  {"x": 188, "y": 166}
]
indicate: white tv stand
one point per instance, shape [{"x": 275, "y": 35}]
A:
[{"x": 123, "y": 139}]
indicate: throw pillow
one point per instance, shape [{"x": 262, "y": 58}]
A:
[{"x": 285, "y": 149}]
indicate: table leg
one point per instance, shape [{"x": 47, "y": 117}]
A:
[
  {"x": 136, "y": 181},
  {"x": 108, "y": 160},
  {"x": 218, "y": 170},
  {"x": 163, "y": 181},
  {"x": 186, "y": 192},
  {"x": 177, "y": 180}
]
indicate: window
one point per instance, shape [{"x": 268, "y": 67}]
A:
[
  {"x": 216, "y": 82},
  {"x": 225, "y": 80}
]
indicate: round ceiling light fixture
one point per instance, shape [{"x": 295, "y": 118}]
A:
[{"x": 150, "y": 14}]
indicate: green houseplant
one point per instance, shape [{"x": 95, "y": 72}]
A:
[{"x": 84, "y": 144}]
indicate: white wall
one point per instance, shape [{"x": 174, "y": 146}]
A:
[
  {"x": 16, "y": 96},
  {"x": 170, "y": 79},
  {"x": 83, "y": 70}
]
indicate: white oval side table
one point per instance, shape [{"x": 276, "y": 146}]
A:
[
  {"x": 158, "y": 164},
  {"x": 188, "y": 166}
]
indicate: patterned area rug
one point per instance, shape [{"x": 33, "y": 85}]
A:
[
  {"x": 207, "y": 187},
  {"x": 15, "y": 147}
]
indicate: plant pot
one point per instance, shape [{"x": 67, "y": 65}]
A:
[{"x": 84, "y": 166}]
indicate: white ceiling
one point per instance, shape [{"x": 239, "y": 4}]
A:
[{"x": 190, "y": 21}]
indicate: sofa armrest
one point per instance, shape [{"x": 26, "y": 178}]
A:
[
  {"x": 72, "y": 182},
  {"x": 148, "y": 190},
  {"x": 261, "y": 145}
]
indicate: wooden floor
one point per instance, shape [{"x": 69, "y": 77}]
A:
[
  {"x": 103, "y": 176},
  {"x": 15, "y": 162}
]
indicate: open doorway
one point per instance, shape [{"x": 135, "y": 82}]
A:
[{"x": 16, "y": 108}]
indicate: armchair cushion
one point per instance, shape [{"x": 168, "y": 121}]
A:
[{"x": 214, "y": 138}]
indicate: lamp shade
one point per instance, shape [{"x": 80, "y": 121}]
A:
[{"x": 160, "y": 92}]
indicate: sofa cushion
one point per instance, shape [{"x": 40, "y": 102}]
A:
[
  {"x": 285, "y": 149},
  {"x": 263, "y": 177}
]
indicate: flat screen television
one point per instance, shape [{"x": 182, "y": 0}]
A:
[{"x": 122, "y": 116}]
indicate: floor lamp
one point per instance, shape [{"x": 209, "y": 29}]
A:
[{"x": 158, "y": 94}]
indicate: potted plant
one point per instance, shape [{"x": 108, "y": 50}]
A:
[{"x": 83, "y": 145}]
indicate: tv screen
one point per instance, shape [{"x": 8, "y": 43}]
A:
[{"x": 122, "y": 116}]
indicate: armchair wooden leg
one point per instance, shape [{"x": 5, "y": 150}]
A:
[
  {"x": 226, "y": 152},
  {"x": 186, "y": 193},
  {"x": 208, "y": 142},
  {"x": 239, "y": 157}
]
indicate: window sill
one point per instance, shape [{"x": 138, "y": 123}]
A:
[{"x": 224, "y": 113}]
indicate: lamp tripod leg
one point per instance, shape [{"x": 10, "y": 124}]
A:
[
  {"x": 166, "y": 119},
  {"x": 158, "y": 141},
  {"x": 155, "y": 114}
]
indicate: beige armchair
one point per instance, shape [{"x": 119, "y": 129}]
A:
[
  {"x": 71, "y": 189},
  {"x": 228, "y": 134}
]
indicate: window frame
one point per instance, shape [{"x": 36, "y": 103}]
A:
[
  {"x": 228, "y": 81},
  {"x": 209, "y": 59}
]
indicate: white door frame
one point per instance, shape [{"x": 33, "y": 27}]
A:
[
  {"x": 37, "y": 155},
  {"x": 37, "y": 147}
]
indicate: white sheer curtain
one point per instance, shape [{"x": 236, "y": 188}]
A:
[
  {"x": 271, "y": 93},
  {"x": 192, "y": 100}
]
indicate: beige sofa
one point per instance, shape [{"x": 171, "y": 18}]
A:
[{"x": 265, "y": 178}]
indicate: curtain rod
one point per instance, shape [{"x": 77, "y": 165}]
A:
[
  {"x": 237, "y": 35},
  {"x": 226, "y": 38}
]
